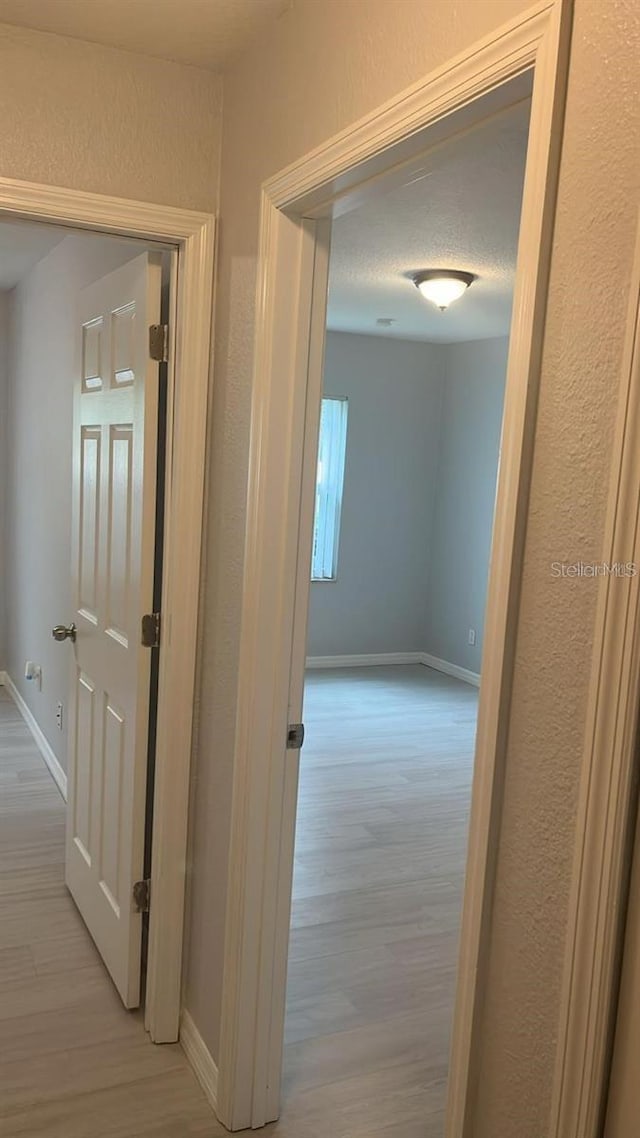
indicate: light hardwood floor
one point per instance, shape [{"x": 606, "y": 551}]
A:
[
  {"x": 385, "y": 789},
  {"x": 73, "y": 1062},
  {"x": 383, "y": 810}
]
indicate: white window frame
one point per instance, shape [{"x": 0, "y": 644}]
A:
[{"x": 329, "y": 488}]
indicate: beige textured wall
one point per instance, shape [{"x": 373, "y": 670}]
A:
[
  {"x": 93, "y": 118},
  {"x": 320, "y": 67},
  {"x": 596, "y": 218}
]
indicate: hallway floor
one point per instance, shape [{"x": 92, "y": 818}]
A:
[
  {"x": 385, "y": 789},
  {"x": 383, "y": 812},
  {"x": 73, "y": 1062}
]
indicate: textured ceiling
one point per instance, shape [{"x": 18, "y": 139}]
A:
[
  {"x": 204, "y": 33},
  {"x": 461, "y": 210},
  {"x": 22, "y": 245}
]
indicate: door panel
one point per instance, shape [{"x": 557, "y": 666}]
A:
[
  {"x": 114, "y": 483},
  {"x": 81, "y": 802},
  {"x": 90, "y": 439},
  {"x": 119, "y": 552}
]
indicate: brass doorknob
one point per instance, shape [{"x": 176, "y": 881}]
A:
[{"x": 62, "y": 632}]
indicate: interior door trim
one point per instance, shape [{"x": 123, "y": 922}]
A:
[
  {"x": 193, "y": 234},
  {"x": 324, "y": 182}
]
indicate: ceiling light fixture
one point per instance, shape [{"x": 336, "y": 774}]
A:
[{"x": 443, "y": 286}]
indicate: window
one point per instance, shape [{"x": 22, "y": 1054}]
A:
[{"x": 329, "y": 483}]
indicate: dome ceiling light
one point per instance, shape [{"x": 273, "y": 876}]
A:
[{"x": 443, "y": 286}]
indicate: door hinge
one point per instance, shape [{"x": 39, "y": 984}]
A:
[
  {"x": 159, "y": 342},
  {"x": 142, "y": 895},
  {"x": 150, "y": 635},
  {"x": 295, "y": 736}
]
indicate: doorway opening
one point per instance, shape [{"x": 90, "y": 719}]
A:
[
  {"x": 298, "y": 207},
  {"x": 92, "y": 466},
  {"x": 408, "y": 452}
]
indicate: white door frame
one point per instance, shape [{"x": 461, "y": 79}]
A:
[
  {"x": 292, "y": 259},
  {"x": 193, "y": 235}
]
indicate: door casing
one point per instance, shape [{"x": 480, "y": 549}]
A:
[
  {"x": 295, "y": 213},
  {"x": 193, "y": 236}
]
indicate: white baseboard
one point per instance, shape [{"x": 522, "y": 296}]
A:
[
  {"x": 390, "y": 658},
  {"x": 450, "y": 669},
  {"x": 3, "y": 679},
  {"x": 56, "y": 771},
  {"x": 200, "y": 1058},
  {"x": 364, "y": 661}
]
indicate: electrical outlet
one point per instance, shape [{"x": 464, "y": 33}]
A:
[
  {"x": 33, "y": 672},
  {"x": 472, "y": 636},
  {"x": 59, "y": 717}
]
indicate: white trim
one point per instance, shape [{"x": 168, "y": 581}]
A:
[
  {"x": 3, "y": 678},
  {"x": 180, "y": 611},
  {"x": 339, "y": 164},
  {"x": 193, "y": 234},
  {"x": 40, "y": 739},
  {"x": 367, "y": 661},
  {"x": 455, "y": 670},
  {"x": 376, "y": 659},
  {"x": 200, "y": 1058},
  {"x": 288, "y": 347},
  {"x": 604, "y": 825}
]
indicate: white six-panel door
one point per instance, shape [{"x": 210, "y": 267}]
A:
[{"x": 114, "y": 488}]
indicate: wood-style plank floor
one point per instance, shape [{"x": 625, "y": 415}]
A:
[
  {"x": 73, "y": 1062},
  {"x": 383, "y": 810},
  {"x": 385, "y": 788}
]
